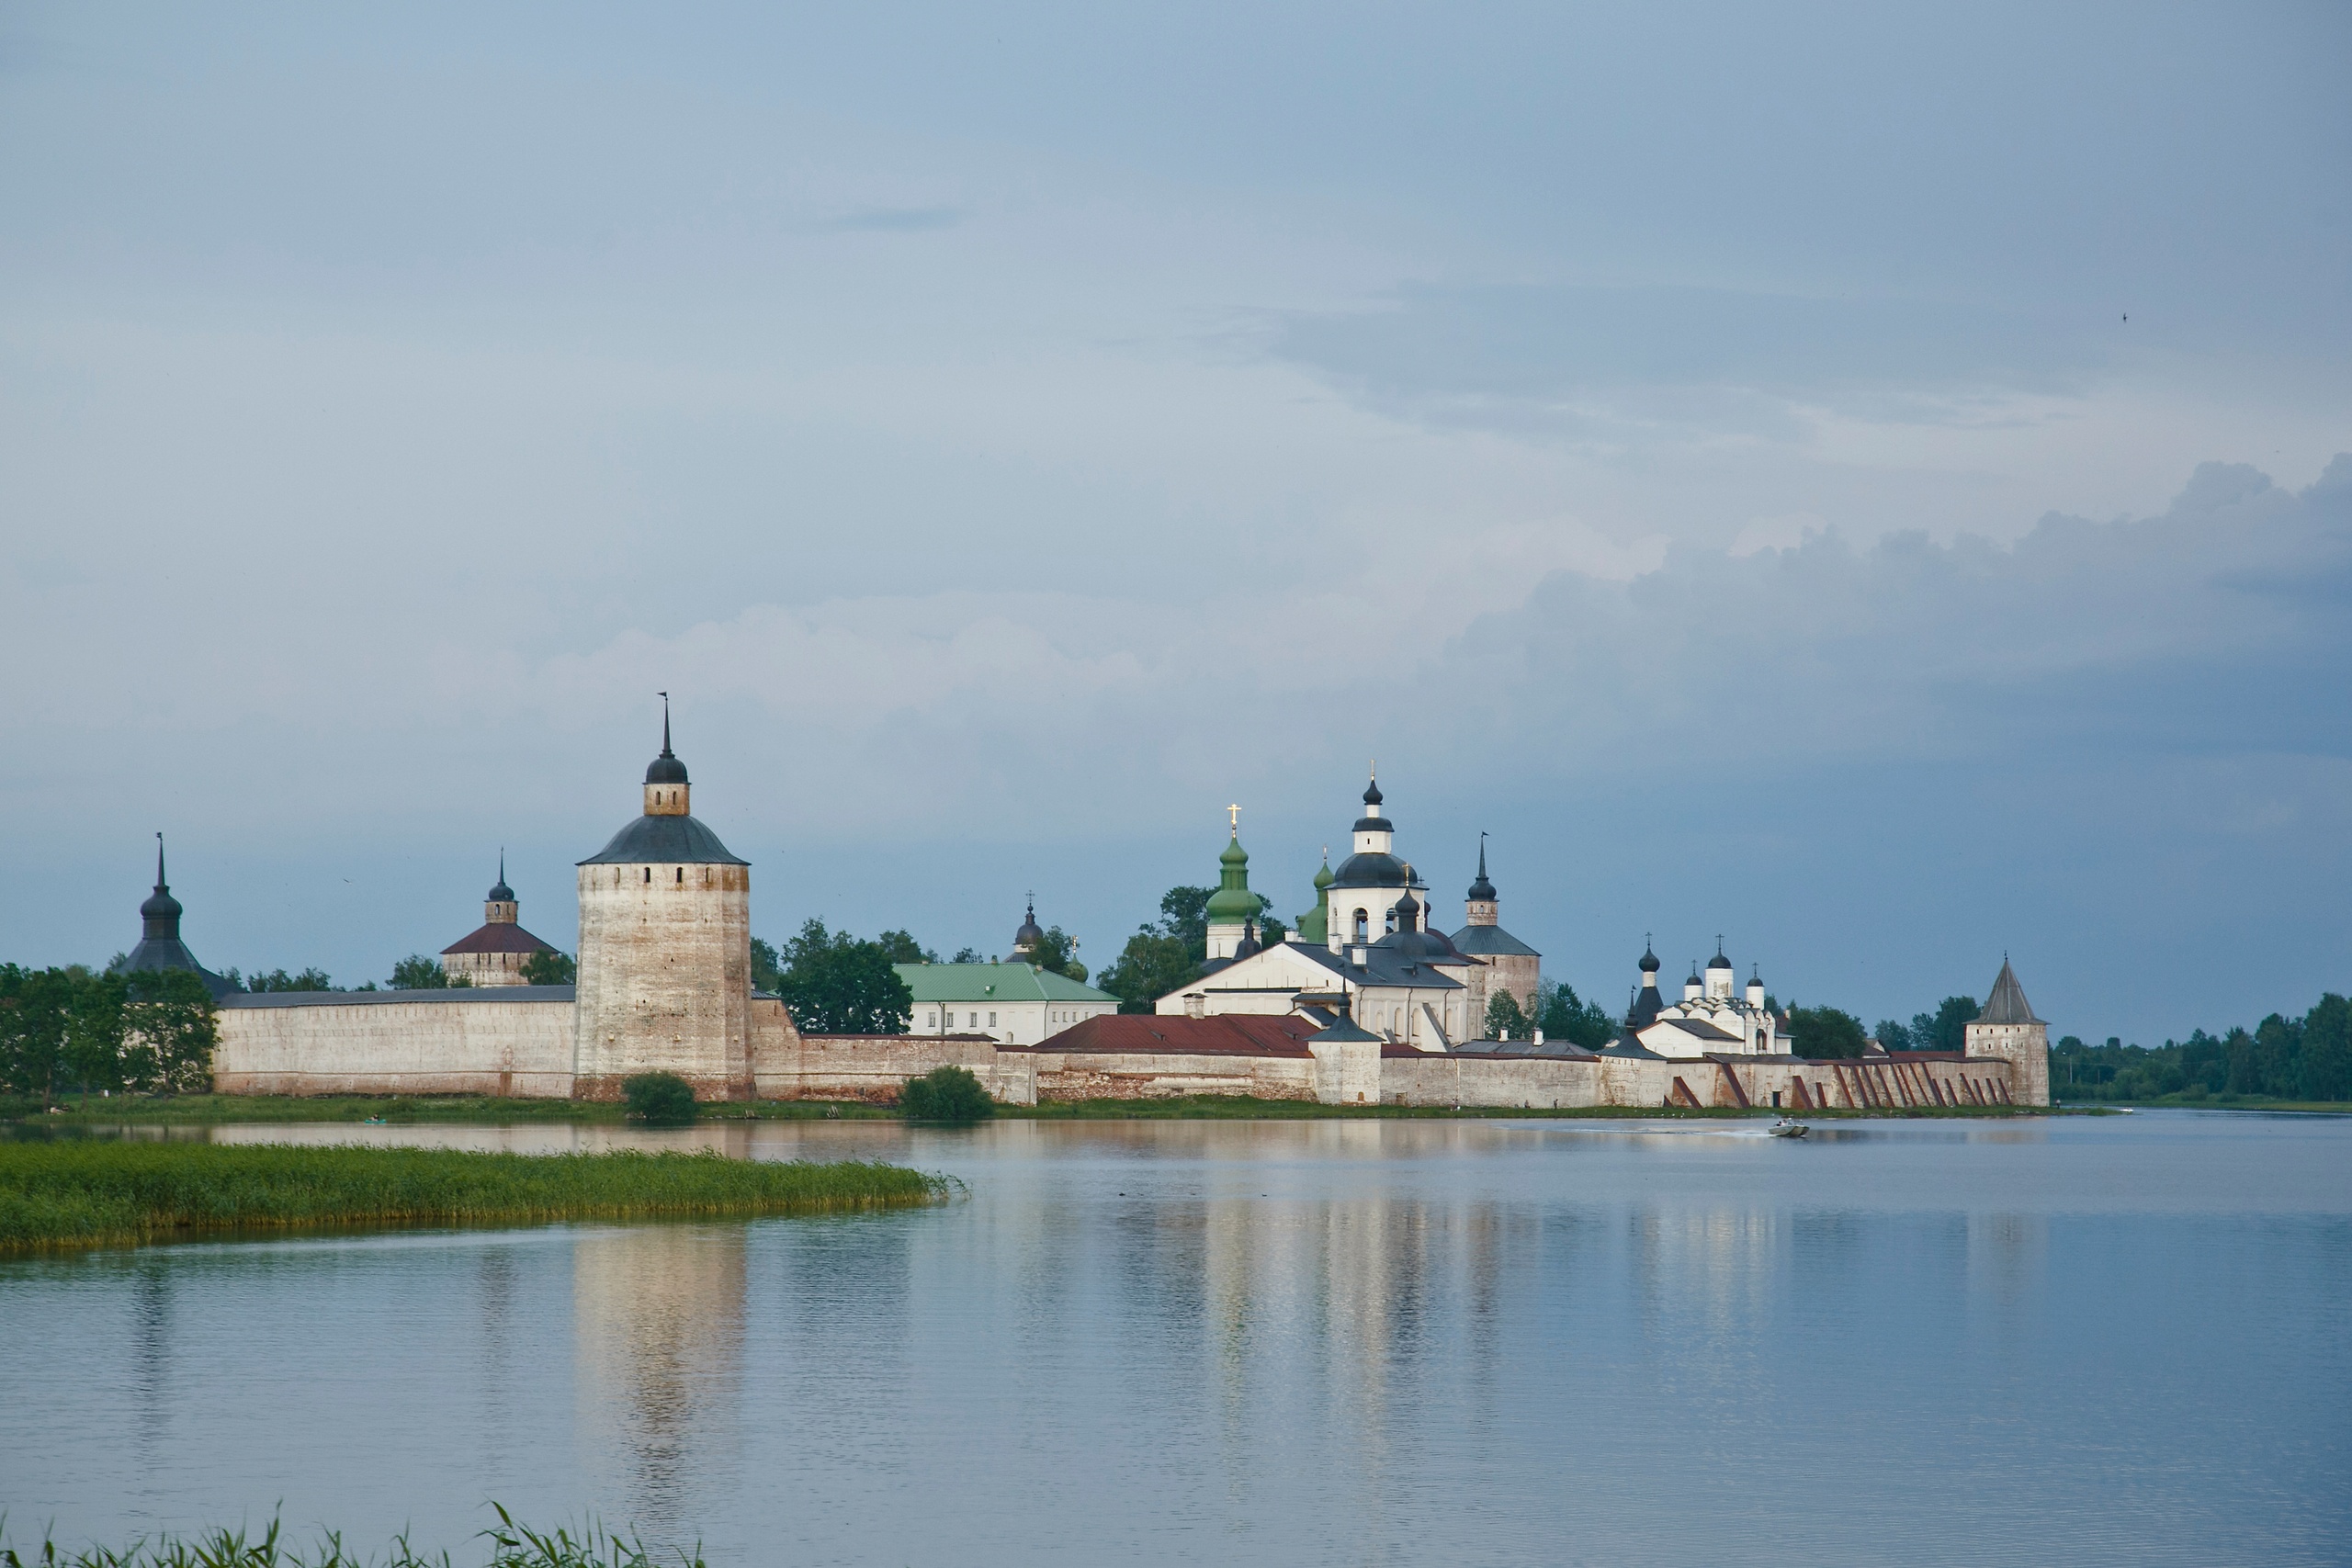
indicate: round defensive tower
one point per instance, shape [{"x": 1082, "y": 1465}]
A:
[{"x": 666, "y": 951}]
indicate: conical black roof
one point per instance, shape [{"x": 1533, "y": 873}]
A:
[{"x": 2007, "y": 1003}]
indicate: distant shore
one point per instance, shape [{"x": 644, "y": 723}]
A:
[{"x": 204, "y": 1110}]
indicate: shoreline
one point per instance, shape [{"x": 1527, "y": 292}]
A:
[{"x": 216, "y": 1109}]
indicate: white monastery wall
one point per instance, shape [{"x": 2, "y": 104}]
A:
[{"x": 439, "y": 1043}]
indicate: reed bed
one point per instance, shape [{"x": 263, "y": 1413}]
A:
[
  {"x": 92, "y": 1192},
  {"x": 512, "y": 1545}
]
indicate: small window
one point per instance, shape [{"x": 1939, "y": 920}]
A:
[
  {"x": 992, "y": 1020},
  {"x": 648, "y": 873},
  {"x": 682, "y": 875}
]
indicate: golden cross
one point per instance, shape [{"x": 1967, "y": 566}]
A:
[{"x": 1235, "y": 812}]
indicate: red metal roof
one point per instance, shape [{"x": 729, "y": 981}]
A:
[
  {"x": 502, "y": 936},
  {"x": 1232, "y": 1034}
]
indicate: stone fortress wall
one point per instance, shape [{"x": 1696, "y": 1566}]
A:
[
  {"x": 518, "y": 1041},
  {"x": 508, "y": 1040}
]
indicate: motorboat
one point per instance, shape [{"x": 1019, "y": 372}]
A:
[{"x": 1784, "y": 1128}]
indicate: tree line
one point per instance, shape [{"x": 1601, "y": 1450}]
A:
[
  {"x": 2281, "y": 1058},
  {"x": 74, "y": 1030}
]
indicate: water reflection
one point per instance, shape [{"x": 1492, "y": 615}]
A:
[
  {"x": 658, "y": 1315},
  {"x": 1293, "y": 1343}
]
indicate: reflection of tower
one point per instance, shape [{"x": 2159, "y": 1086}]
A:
[
  {"x": 657, "y": 1336},
  {"x": 666, "y": 951}
]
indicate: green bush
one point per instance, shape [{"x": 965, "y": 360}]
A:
[
  {"x": 946, "y": 1094},
  {"x": 659, "y": 1099}
]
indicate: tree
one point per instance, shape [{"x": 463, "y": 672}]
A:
[
  {"x": 967, "y": 955},
  {"x": 422, "y": 972},
  {"x": 946, "y": 1094},
  {"x": 834, "y": 984},
  {"x": 279, "y": 980},
  {"x": 658, "y": 1100},
  {"x": 1504, "y": 1019},
  {"x": 1153, "y": 964},
  {"x": 767, "y": 968},
  {"x": 1566, "y": 1016},
  {"x": 1894, "y": 1036},
  {"x": 36, "y": 1010},
  {"x": 2327, "y": 1049},
  {"x": 548, "y": 967},
  {"x": 94, "y": 1031},
  {"x": 902, "y": 948},
  {"x": 1825, "y": 1034},
  {"x": 1184, "y": 914},
  {"x": 1948, "y": 1029},
  {"x": 170, "y": 1030},
  {"x": 1058, "y": 950}
]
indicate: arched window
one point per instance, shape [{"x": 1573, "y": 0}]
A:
[{"x": 1362, "y": 927}]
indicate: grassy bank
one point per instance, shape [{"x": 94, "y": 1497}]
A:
[
  {"x": 96, "y": 1192},
  {"x": 208, "y": 1110}
]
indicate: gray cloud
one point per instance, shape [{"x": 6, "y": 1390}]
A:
[{"x": 1581, "y": 358}]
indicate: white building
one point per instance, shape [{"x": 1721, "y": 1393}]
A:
[
  {"x": 1709, "y": 1019},
  {"x": 1380, "y": 959},
  {"x": 1013, "y": 1004}
]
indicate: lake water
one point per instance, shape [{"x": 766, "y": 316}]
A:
[{"x": 2114, "y": 1340}]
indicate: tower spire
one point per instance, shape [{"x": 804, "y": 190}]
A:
[
  {"x": 665, "y": 724},
  {"x": 162, "y": 887}
]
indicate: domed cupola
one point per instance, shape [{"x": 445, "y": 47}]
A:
[
  {"x": 667, "y": 793},
  {"x": 667, "y": 833},
  {"x": 1232, "y": 906},
  {"x": 1030, "y": 937},
  {"x": 1649, "y": 962},
  {"x": 160, "y": 946},
  {"x": 1408, "y": 912},
  {"x": 499, "y": 905},
  {"x": 160, "y": 914},
  {"x": 1482, "y": 891}
]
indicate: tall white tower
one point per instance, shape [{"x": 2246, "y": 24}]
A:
[{"x": 666, "y": 951}]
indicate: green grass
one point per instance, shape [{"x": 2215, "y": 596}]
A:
[
  {"x": 208, "y": 1110},
  {"x": 96, "y": 1192},
  {"x": 511, "y": 1546}
]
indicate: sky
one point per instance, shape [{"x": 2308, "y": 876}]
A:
[{"x": 1867, "y": 482}]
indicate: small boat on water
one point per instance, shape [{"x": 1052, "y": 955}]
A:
[{"x": 1784, "y": 1128}]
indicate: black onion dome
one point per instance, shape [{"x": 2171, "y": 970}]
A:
[
  {"x": 1372, "y": 792},
  {"x": 498, "y": 892},
  {"x": 1482, "y": 890},
  {"x": 1248, "y": 946},
  {"x": 1719, "y": 961},
  {"x": 666, "y": 769},
  {"x": 1030, "y": 934},
  {"x": 1649, "y": 960},
  {"x": 1371, "y": 869},
  {"x": 160, "y": 905},
  {"x": 1408, "y": 911}
]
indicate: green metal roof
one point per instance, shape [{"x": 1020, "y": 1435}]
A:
[{"x": 994, "y": 983}]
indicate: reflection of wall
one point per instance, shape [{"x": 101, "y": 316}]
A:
[{"x": 657, "y": 1335}]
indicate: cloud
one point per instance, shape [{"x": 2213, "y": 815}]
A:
[
  {"x": 899, "y": 219},
  {"x": 2222, "y": 626},
  {"x": 1587, "y": 361}
]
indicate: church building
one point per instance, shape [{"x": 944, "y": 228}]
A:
[
  {"x": 160, "y": 946},
  {"x": 493, "y": 955},
  {"x": 1379, "y": 960}
]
